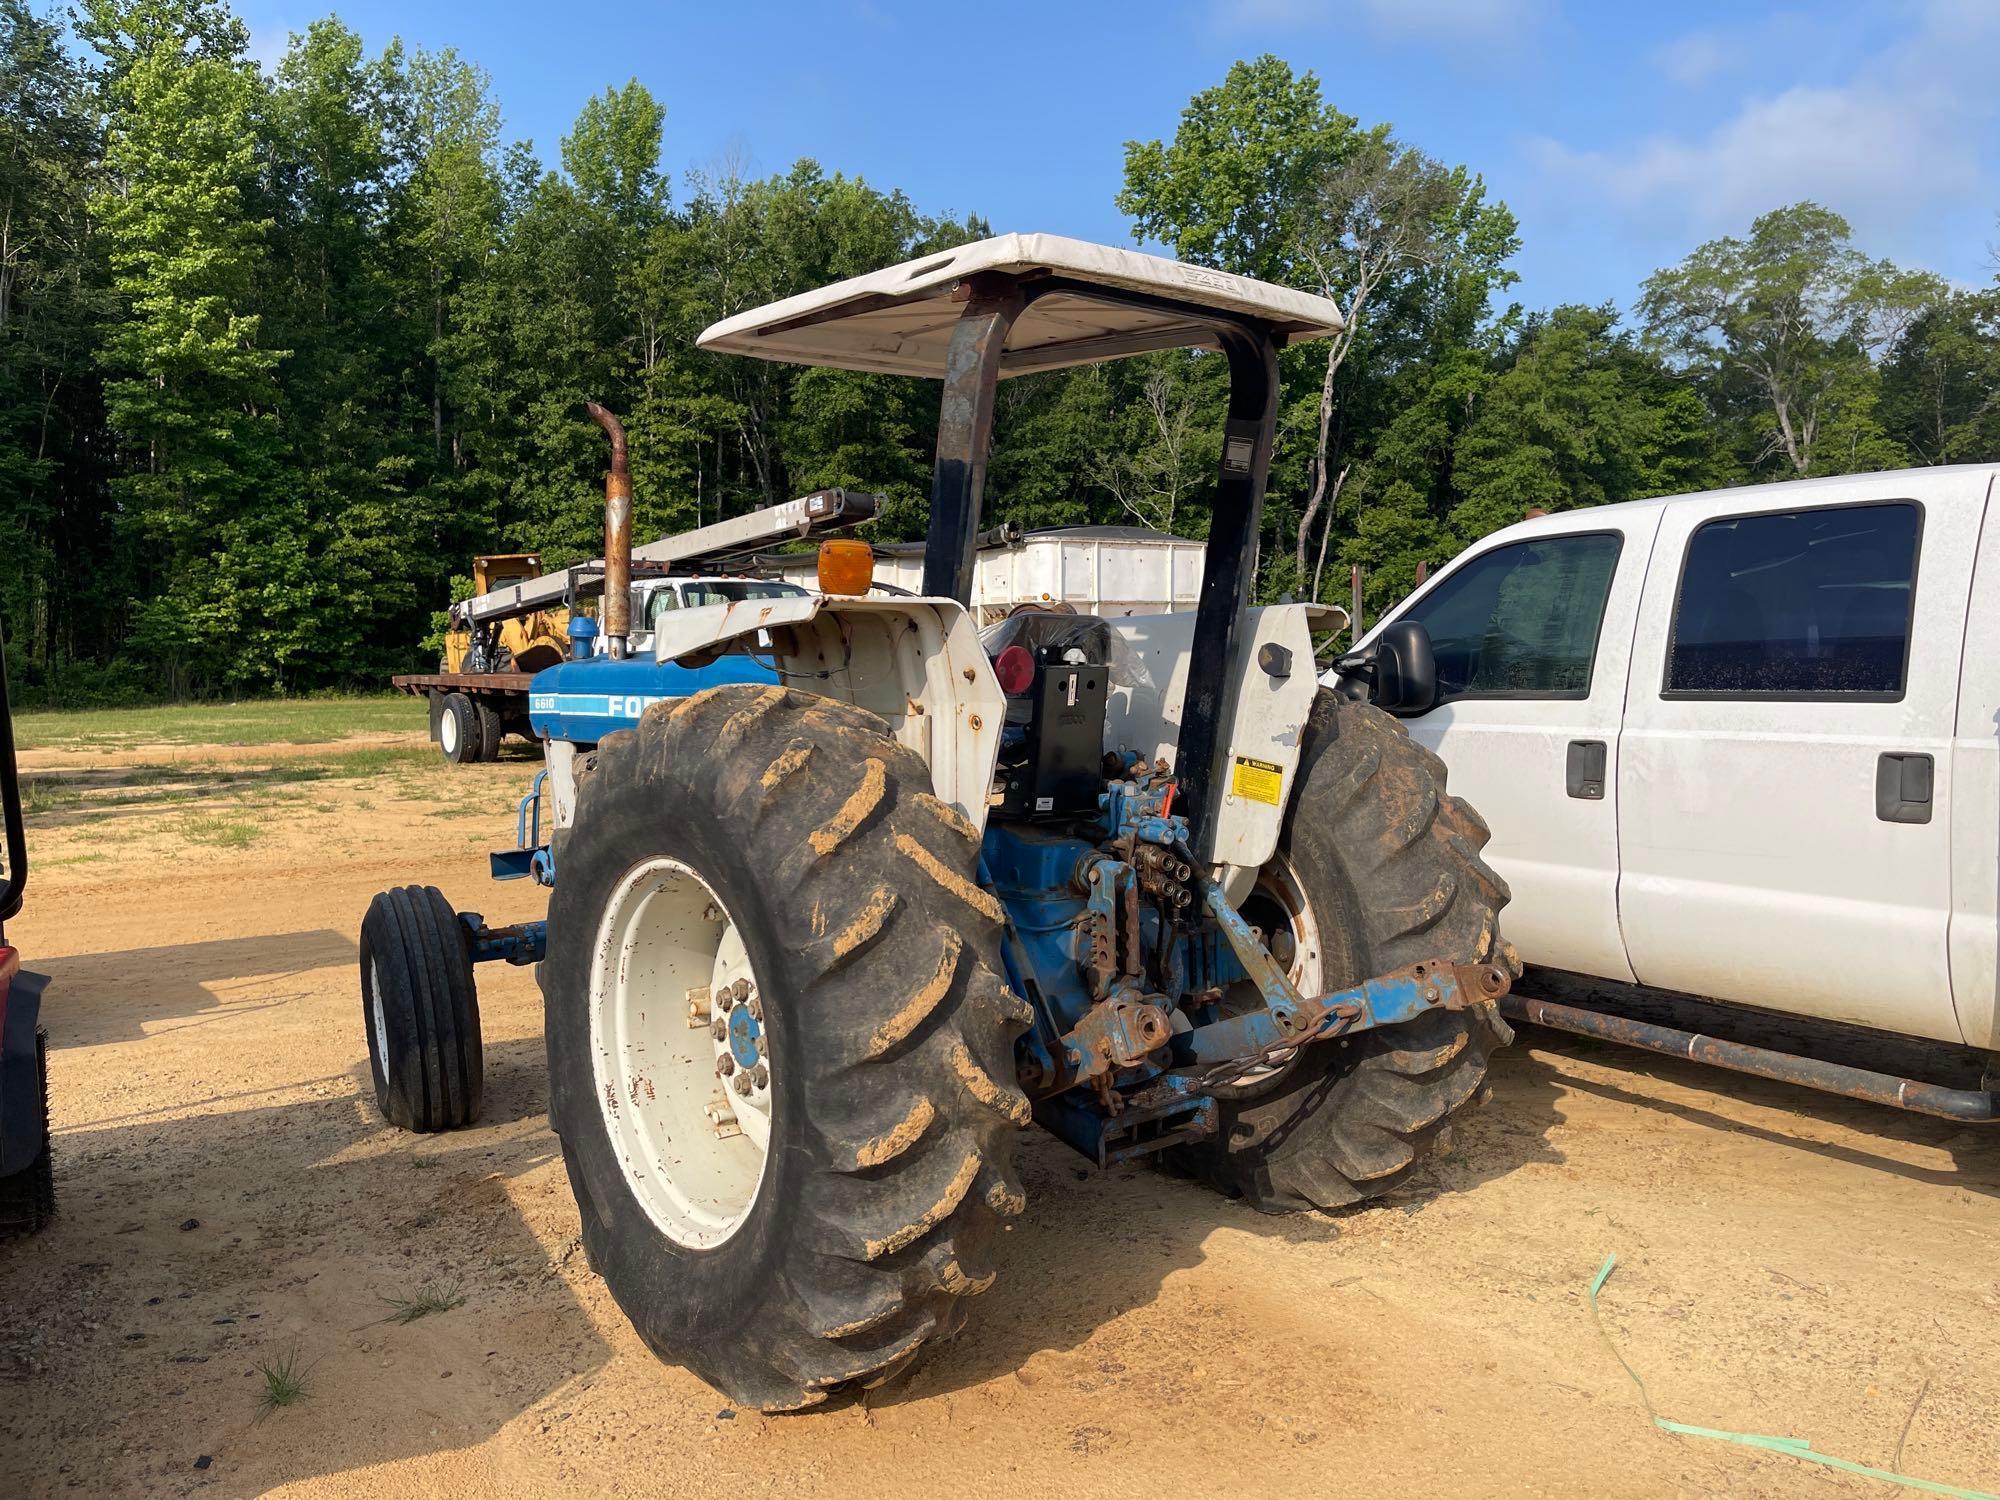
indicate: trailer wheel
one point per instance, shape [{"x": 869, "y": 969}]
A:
[
  {"x": 780, "y": 1049},
  {"x": 491, "y": 729},
  {"x": 421, "y": 1011},
  {"x": 458, "y": 729},
  {"x": 1376, "y": 867},
  {"x": 28, "y": 1197}
]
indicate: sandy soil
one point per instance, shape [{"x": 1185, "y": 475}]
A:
[{"x": 1787, "y": 1264}]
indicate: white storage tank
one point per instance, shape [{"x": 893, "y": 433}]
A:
[{"x": 1100, "y": 570}]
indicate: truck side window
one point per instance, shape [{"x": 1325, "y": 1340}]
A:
[
  {"x": 1521, "y": 621},
  {"x": 1805, "y": 602},
  {"x": 662, "y": 600}
]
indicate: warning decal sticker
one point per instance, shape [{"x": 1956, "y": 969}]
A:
[{"x": 1258, "y": 781}]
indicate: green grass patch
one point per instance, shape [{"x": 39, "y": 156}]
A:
[
  {"x": 431, "y": 1297},
  {"x": 272, "y": 721},
  {"x": 219, "y": 832},
  {"x": 284, "y": 1383},
  {"x": 47, "y": 794}
]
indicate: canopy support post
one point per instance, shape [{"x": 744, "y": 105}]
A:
[
  {"x": 1229, "y": 570},
  {"x": 965, "y": 432}
]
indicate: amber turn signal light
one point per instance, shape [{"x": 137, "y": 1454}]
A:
[{"x": 846, "y": 566}]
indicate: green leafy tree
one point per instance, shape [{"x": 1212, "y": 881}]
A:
[
  {"x": 190, "y": 392},
  {"x": 1241, "y": 177},
  {"x": 1266, "y": 179},
  {"x": 1782, "y": 328},
  {"x": 52, "y": 500},
  {"x": 1941, "y": 381},
  {"x": 1580, "y": 416}
]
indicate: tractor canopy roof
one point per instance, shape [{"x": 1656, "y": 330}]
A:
[{"x": 1087, "y": 303}]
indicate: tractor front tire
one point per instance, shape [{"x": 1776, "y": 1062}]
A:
[
  {"x": 804, "y": 1224},
  {"x": 458, "y": 729},
  {"x": 1377, "y": 867},
  {"x": 421, "y": 1010}
]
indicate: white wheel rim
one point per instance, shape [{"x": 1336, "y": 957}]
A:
[
  {"x": 668, "y": 965},
  {"x": 377, "y": 1017},
  {"x": 448, "y": 732},
  {"x": 1279, "y": 883}
]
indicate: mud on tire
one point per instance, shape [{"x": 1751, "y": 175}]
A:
[
  {"x": 1389, "y": 864},
  {"x": 889, "y": 1030}
]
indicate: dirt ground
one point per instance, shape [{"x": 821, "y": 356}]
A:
[{"x": 230, "y": 1201}]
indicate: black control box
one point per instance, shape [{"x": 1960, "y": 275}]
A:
[{"x": 1058, "y": 769}]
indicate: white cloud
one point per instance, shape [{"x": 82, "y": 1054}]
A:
[
  {"x": 1910, "y": 131},
  {"x": 1693, "y": 59},
  {"x": 1413, "y": 20}
]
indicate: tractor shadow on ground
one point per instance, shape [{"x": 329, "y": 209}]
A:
[
  {"x": 1093, "y": 1246},
  {"x": 133, "y": 992},
  {"x": 1975, "y": 1148},
  {"x": 190, "y": 1250}
]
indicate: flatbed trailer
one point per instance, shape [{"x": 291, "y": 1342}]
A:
[{"x": 470, "y": 712}]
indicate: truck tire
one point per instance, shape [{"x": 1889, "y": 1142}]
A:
[
  {"x": 809, "y": 1230},
  {"x": 491, "y": 729},
  {"x": 421, "y": 1011},
  {"x": 28, "y": 1197},
  {"x": 1377, "y": 867},
  {"x": 458, "y": 729}
]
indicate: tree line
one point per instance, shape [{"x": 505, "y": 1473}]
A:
[{"x": 281, "y": 349}]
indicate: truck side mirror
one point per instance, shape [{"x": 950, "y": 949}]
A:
[{"x": 1406, "y": 680}]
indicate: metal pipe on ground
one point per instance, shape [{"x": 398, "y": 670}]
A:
[
  {"x": 1970, "y": 1106},
  {"x": 617, "y": 536}
]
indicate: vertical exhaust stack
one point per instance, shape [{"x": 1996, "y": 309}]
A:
[{"x": 617, "y": 536}]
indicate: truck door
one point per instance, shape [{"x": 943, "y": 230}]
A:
[
  {"x": 1975, "y": 796},
  {"x": 1785, "y": 786},
  {"x": 1532, "y": 636}
]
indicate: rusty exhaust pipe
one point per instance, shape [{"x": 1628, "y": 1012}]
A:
[{"x": 617, "y": 622}]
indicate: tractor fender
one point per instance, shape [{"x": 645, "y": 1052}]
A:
[
  {"x": 1268, "y": 704},
  {"x": 917, "y": 663}
]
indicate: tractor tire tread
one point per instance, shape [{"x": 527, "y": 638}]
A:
[
  {"x": 902, "y": 1161},
  {"x": 1372, "y": 806}
]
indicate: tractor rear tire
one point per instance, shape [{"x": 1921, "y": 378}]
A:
[
  {"x": 491, "y": 729},
  {"x": 421, "y": 1010},
  {"x": 788, "y": 840},
  {"x": 1387, "y": 869},
  {"x": 458, "y": 729},
  {"x": 28, "y": 1197}
]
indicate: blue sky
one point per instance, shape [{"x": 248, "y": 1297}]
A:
[{"x": 1621, "y": 134}]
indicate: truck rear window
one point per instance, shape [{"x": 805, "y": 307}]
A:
[{"x": 1805, "y": 603}]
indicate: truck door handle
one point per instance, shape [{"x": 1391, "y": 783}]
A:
[
  {"x": 1583, "y": 776},
  {"x": 1903, "y": 786}
]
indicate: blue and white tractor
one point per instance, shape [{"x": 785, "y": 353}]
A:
[{"x": 819, "y": 945}]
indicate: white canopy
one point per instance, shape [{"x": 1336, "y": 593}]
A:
[{"x": 899, "y": 321}]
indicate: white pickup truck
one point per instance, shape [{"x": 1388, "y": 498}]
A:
[{"x": 1742, "y": 745}]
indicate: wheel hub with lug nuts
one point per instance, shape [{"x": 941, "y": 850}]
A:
[{"x": 691, "y": 1127}]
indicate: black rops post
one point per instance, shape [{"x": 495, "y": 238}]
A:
[{"x": 993, "y": 302}]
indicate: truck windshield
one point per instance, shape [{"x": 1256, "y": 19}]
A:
[{"x": 730, "y": 590}]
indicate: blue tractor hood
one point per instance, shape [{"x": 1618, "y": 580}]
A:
[{"x": 583, "y": 701}]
